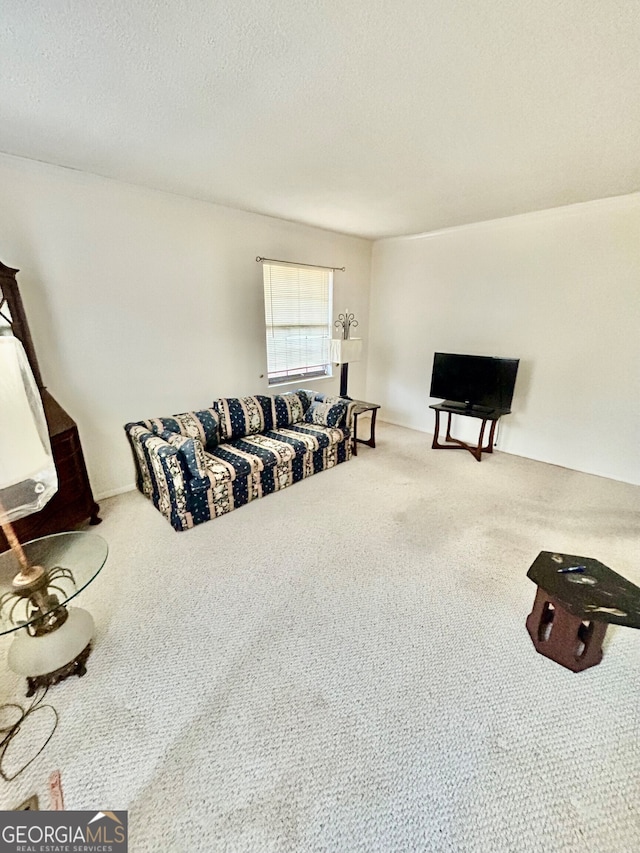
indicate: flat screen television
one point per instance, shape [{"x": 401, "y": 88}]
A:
[{"x": 475, "y": 382}]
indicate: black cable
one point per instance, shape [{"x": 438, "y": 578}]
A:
[{"x": 8, "y": 733}]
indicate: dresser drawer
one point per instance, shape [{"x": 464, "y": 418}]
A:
[
  {"x": 65, "y": 445},
  {"x": 70, "y": 469}
]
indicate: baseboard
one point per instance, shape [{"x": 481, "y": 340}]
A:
[
  {"x": 521, "y": 455},
  {"x": 404, "y": 425},
  {"x": 113, "y": 492}
]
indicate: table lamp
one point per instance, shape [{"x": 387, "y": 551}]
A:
[
  {"x": 345, "y": 349},
  {"x": 28, "y": 478},
  {"x": 54, "y": 635}
]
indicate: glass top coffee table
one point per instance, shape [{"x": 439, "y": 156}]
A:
[{"x": 55, "y": 642}]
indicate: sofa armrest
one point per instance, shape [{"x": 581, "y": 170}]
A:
[
  {"x": 348, "y": 417},
  {"x": 162, "y": 474}
]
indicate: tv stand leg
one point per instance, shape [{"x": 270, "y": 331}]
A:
[
  {"x": 435, "y": 444},
  {"x": 479, "y": 448},
  {"x": 492, "y": 432},
  {"x": 436, "y": 432},
  {"x": 448, "y": 435},
  {"x": 452, "y": 443}
]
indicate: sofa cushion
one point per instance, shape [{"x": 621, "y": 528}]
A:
[
  {"x": 306, "y": 396},
  {"x": 288, "y": 409},
  {"x": 223, "y": 465},
  {"x": 306, "y": 437},
  {"x": 251, "y": 454},
  {"x": 202, "y": 425},
  {"x": 240, "y": 416},
  {"x": 329, "y": 414},
  {"x": 267, "y": 449}
]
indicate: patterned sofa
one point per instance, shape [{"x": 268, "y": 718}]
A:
[{"x": 199, "y": 465}]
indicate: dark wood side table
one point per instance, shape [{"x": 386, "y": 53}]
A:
[
  {"x": 360, "y": 408},
  {"x": 577, "y": 598},
  {"x": 452, "y": 408}
]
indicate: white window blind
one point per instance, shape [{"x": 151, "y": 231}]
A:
[{"x": 297, "y": 303}]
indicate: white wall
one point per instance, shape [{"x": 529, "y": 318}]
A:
[
  {"x": 144, "y": 304},
  {"x": 559, "y": 289}
]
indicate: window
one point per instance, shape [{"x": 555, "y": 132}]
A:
[{"x": 297, "y": 304}]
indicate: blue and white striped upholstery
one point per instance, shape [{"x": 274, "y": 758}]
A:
[
  {"x": 240, "y": 416},
  {"x": 200, "y": 465},
  {"x": 203, "y": 425}
]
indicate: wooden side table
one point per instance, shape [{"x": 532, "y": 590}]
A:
[
  {"x": 360, "y": 408},
  {"x": 577, "y": 598}
]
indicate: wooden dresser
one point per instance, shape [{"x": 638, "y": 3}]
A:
[{"x": 73, "y": 503}]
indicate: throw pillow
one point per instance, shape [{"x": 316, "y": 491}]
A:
[
  {"x": 202, "y": 425},
  {"x": 330, "y": 398},
  {"x": 191, "y": 450},
  {"x": 326, "y": 414},
  {"x": 307, "y": 397}
]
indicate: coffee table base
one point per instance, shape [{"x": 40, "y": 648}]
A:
[
  {"x": 564, "y": 638},
  {"x": 74, "y": 667}
]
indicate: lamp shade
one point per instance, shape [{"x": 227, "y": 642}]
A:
[
  {"x": 27, "y": 472},
  {"x": 346, "y": 350}
]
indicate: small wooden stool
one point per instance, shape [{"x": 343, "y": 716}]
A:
[{"x": 576, "y": 600}]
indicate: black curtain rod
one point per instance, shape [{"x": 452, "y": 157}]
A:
[{"x": 295, "y": 264}]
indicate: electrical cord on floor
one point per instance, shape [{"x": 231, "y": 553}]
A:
[{"x": 11, "y": 731}]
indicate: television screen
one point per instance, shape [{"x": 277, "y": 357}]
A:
[{"x": 474, "y": 381}]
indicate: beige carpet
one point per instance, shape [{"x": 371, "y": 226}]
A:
[{"x": 344, "y": 666}]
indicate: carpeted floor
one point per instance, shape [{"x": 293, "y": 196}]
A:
[{"x": 344, "y": 666}]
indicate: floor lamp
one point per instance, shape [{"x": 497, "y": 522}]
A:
[{"x": 345, "y": 349}]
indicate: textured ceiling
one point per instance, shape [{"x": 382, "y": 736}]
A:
[{"x": 375, "y": 118}]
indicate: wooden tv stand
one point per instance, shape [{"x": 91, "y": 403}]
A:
[{"x": 452, "y": 408}]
